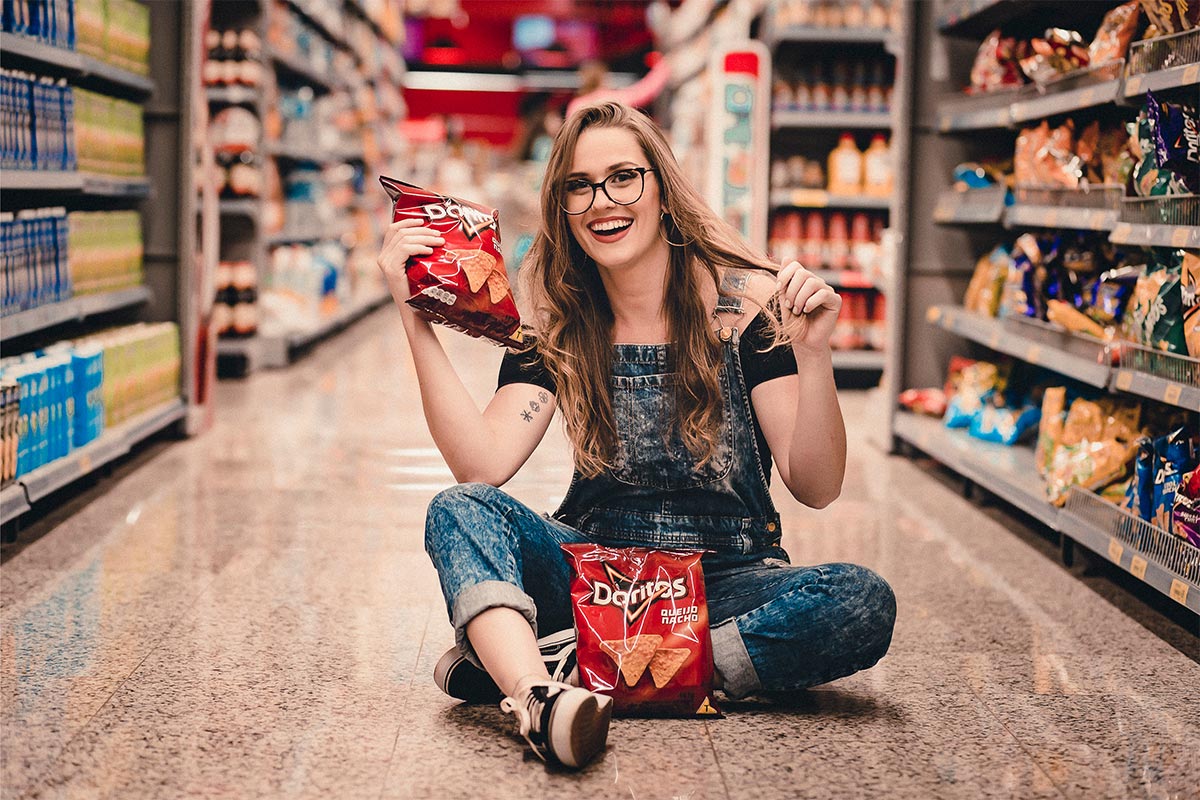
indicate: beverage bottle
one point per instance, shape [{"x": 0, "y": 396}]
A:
[
  {"x": 877, "y": 168},
  {"x": 845, "y": 167},
  {"x": 813, "y": 246},
  {"x": 838, "y": 242}
]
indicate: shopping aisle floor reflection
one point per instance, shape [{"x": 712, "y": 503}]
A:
[{"x": 251, "y": 614}]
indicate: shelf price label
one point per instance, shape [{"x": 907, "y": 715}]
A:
[
  {"x": 1138, "y": 567},
  {"x": 933, "y": 315},
  {"x": 944, "y": 122},
  {"x": 1124, "y": 380},
  {"x": 1179, "y": 591},
  {"x": 1034, "y": 354},
  {"x": 85, "y": 463},
  {"x": 1191, "y": 74},
  {"x": 1179, "y": 237},
  {"x": 1172, "y": 393},
  {"x": 1122, "y": 232},
  {"x": 1115, "y": 551},
  {"x": 1133, "y": 85},
  {"x": 994, "y": 340},
  {"x": 1087, "y": 97},
  {"x": 1052, "y": 218}
]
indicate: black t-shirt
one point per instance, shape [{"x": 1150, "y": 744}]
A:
[{"x": 757, "y": 368}]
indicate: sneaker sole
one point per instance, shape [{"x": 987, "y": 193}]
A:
[
  {"x": 443, "y": 676},
  {"x": 575, "y": 745}
]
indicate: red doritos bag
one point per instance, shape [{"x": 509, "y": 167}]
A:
[
  {"x": 642, "y": 624},
  {"x": 463, "y": 283}
]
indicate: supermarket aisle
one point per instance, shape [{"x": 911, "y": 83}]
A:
[{"x": 251, "y": 614}]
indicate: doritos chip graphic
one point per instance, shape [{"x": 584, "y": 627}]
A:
[
  {"x": 632, "y": 656},
  {"x": 666, "y": 662},
  {"x": 636, "y": 611},
  {"x": 448, "y": 284}
]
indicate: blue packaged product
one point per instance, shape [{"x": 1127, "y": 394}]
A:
[
  {"x": 1139, "y": 495},
  {"x": 1004, "y": 425},
  {"x": 1173, "y": 458}
]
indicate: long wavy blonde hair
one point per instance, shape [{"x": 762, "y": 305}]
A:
[{"x": 570, "y": 313}]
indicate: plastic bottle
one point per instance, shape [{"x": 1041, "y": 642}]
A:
[
  {"x": 837, "y": 242},
  {"x": 877, "y": 168},
  {"x": 812, "y": 249},
  {"x": 860, "y": 242},
  {"x": 802, "y": 93},
  {"x": 858, "y": 87},
  {"x": 840, "y": 90},
  {"x": 845, "y": 167},
  {"x": 821, "y": 96}
]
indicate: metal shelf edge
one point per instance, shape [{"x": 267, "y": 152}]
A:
[
  {"x": 830, "y": 119},
  {"x": 1100, "y": 542},
  {"x": 111, "y": 445},
  {"x": 13, "y": 503},
  {"x": 1156, "y": 388},
  {"x": 35, "y": 50},
  {"x": 1084, "y": 219},
  {"x": 1172, "y": 78},
  {"x": 76, "y": 308},
  {"x": 42, "y": 180},
  {"x": 1065, "y": 102},
  {"x": 95, "y": 68},
  {"x": 1156, "y": 235}
]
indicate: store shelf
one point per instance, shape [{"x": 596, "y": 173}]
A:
[
  {"x": 974, "y": 19},
  {"x": 862, "y": 120},
  {"x": 13, "y": 503},
  {"x": 972, "y": 207},
  {"x": 1072, "y": 92},
  {"x": 105, "y": 186},
  {"x": 296, "y": 66},
  {"x": 1032, "y": 342},
  {"x": 240, "y": 208},
  {"x": 1156, "y": 235},
  {"x": 1163, "y": 64},
  {"x": 76, "y": 309},
  {"x": 1083, "y": 219},
  {"x": 356, "y": 7},
  {"x": 232, "y": 95},
  {"x": 294, "y": 152},
  {"x": 1167, "y": 377},
  {"x": 112, "y": 444},
  {"x": 1166, "y": 562},
  {"x": 1006, "y": 471},
  {"x": 802, "y": 34},
  {"x": 335, "y": 38},
  {"x": 863, "y": 360},
  {"x": 41, "y": 181},
  {"x": 93, "y": 70},
  {"x": 846, "y": 279},
  {"x": 959, "y": 113},
  {"x": 56, "y": 58},
  {"x": 819, "y": 198}
]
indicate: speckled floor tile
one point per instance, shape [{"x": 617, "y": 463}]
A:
[{"x": 251, "y": 614}]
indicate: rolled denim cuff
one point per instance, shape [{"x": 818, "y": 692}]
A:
[
  {"x": 474, "y": 600},
  {"x": 730, "y": 657}
]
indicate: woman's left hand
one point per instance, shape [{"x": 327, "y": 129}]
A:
[{"x": 810, "y": 307}]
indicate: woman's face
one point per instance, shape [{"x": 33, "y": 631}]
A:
[{"x": 615, "y": 235}]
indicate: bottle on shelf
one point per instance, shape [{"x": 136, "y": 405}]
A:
[
  {"x": 813, "y": 247},
  {"x": 245, "y": 294},
  {"x": 845, "y": 167},
  {"x": 837, "y": 249},
  {"x": 877, "y": 168}
]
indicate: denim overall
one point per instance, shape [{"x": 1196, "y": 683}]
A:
[{"x": 774, "y": 627}]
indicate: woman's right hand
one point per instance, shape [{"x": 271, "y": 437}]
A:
[{"x": 403, "y": 240}]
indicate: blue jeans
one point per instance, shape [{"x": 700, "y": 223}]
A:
[{"x": 775, "y": 627}]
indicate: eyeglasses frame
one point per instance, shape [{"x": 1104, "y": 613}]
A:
[{"x": 602, "y": 187}]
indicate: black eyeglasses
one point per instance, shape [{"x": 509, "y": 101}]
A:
[{"x": 624, "y": 187}]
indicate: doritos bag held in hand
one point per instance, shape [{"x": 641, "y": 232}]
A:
[
  {"x": 463, "y": 283},
  {"x": 641, "y": 618}
]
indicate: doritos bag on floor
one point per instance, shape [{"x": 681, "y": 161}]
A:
[
  {"x": 463, "y": 283},
  {"x": 642, "y": 622}
]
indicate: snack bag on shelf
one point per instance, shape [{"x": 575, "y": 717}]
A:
[
  {"x": 1115, "y": 33},
  {"x": 1058, "y": 52},
  {"x": 1139, "y": 496},
  {"x": 1186, "y": 512},
  {"x": 641, "y": 618},
  {"x": 1176, "y": 138},
  {"x": 1050, "y": 426},
  {"x": 1117, "y": 155},
  {"x": 987, "y": 283},
  {"x": 1055, "y": 163},
  {"x": 1030, "y": 142},
  {"x": 929, "y": 401},
  {"x": 1189, "y": 288},
  {"x": 995, "y": 64},
  {"x": 1171, "y": 16},
  {"x": 1064, "y": 314},
  {"x": 1174, "y": 457},
  {"x": 975, "y": 387},
  {"x": 1109, "y": 295},
  {"x": 1003, "y": 424},
  {"x": 463, "y": 284}
]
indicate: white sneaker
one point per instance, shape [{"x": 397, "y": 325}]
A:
[
  {"x": 462, "y": 680},
  {"x": 561, "y": 721}
]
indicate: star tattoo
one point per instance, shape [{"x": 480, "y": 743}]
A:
[{"x": 525, "y": 415}]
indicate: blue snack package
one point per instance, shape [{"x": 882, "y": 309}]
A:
[
  {"x": 1005, "y": 425},
  {"x": 1139, "y": 497},
  {"x": 1176, "y": 140},
  {"x": 1173, "y": 456}
]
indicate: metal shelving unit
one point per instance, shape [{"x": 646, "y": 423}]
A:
[
  {"x": 13, "y": 503},
  {"x": 77, "y": 309},
  {"x": 233, "y": 95},
  {"x": 1167, "y": 377},
  {"x": 82, "y": 69},
  {"x": 852, "y": 120},
  {"x": 1163, "y": 64},
  {"x": 846, "y": 279},
  {"x": 774, "y": 37},
  {"x": 1032, "y": 342},
  {"x": 55, "y": 59},
  {"x": 1073, "y": 91},
  {"x": 819, "y": 198},
  {"x": 1083, "y": 219},
  {"x": 296, "y": 66},
  {"x": 959, "y": 113},
  {"x": 75, "y": 182},
  {"x": 241, "y": 208},
  {"x": 112, "y": 444}
]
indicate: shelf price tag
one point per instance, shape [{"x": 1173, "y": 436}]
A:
[
  {"x": 810, "y": 198},
  {"x": 1191, "y": 74},
  {"x": 1172, "y": 393},
  {"x": 1179, "y": 591},
  {"x": 1122, "y": 232},
  {"x": 1098, "y": 221},
  {"x": 933, "y": 315},
  {"x": 944, "y": 122},
  {"x": 1033, "y": 354},
  {"x": 994, "y": 340},
  {"x": 85, "y": 463},
  {"x": 1087, "y": 97},
  {"x": 1179, "y": 237},
  {"x": 1124, "y": 380},
  {"x": 1052, "y": 218},
  {"x": 1115, "y": 551},
  {"x": 1133, "y": 85},
  {"x": 1138, "y": 567}
]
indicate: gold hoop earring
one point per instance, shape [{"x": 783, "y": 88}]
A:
[{"x": 662, "y": 218}]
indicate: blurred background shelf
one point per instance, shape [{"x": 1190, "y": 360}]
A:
[{"x": 76, "y": 309}]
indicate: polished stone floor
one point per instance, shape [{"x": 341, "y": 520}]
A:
[{"x": 250, "y": 614}]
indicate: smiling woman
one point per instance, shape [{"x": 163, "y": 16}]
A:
[{"x": 683, "y": 363}]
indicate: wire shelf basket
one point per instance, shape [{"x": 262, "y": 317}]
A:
[
  {"x": 1183, "y": 209},
  {"x": 1164, "y": 52},
  {"x": 1168, "y": 366},
  {"x": 1165, "y": 549},
  {"x": 1104, "y": 196}
]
